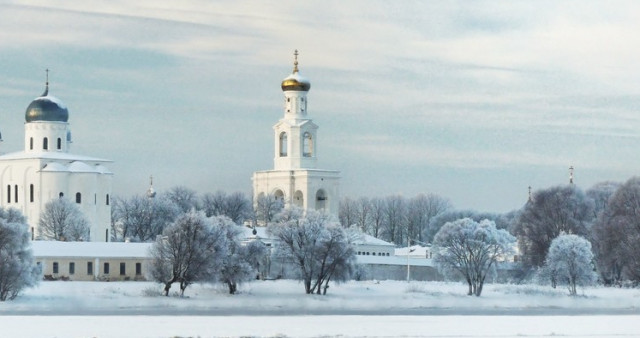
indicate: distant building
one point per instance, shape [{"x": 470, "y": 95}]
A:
[
  {"x": 295, "y": 179},
  {"x": 46, "y": 170}
]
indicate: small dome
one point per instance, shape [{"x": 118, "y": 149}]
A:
[
  {"x": 296, "y": 82},
  {"x": 46, "y": 108}
]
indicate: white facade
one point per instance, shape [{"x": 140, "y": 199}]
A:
[
  {"x": 295, "y": 178},
  {"x": 45, "y": 170}
]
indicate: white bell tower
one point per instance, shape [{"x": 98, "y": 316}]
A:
[{"x": 295, "y": 177}]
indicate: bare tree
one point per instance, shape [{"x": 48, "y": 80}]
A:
[
  {"x": 235, "y": 206},
  {"x": 363, "y": 214},
  {"x": 377, "y": 217},
  {"x": 551, "y": 212},
  {"x": 267, "y": 206},
  {"x": 394, "y": 221},
  {"x": 62, "y": 220},
  {"x": 142, "y": 219},
  {"x": 600, "y": 194},
  {"x": 471, "y": 249},
  {"x": 190, "y": 250},
  {"x": 421, "y": 210},
  {"x": 17, "y": 265},
  {"x": 616, "y": 235},
  {"x": 186, "y": 199}
]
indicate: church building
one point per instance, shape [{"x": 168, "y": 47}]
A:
[
  {"x": 295, "y": 179},
  {"x": 46, "y": 170}
]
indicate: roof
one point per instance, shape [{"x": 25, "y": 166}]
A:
[
  {"x": 415, "y": 251},
  {"x": 50, "y": 155},
  {"x": 393, "y": 260},
  {"x": 90, "y": 249},
  {"x": 370, "y": 240}
]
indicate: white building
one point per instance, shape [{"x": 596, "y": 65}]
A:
[
  {"x": 46, "y": 170},
  {"x": 295, "y": 178}
]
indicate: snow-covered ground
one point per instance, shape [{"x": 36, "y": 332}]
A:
[{"x": 280, "y": 308}]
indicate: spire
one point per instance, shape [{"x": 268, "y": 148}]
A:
[
  {"x": 46, "y": 90},
  {"x": 571, "y": 175},
  {"x": 150, "y": 192},
  {"x": 295, "y": 61}
]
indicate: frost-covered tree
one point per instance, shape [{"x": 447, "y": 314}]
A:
[
  {"x": 236, "y": 206},
  {"x": 186, "y": 199},
  {"x": 236, "y": 267},
  {"x": 447, "y": 216},
  {"x": 17, "y": 265},
  {"x": 142, "y": 219},
  {"x": 551, "y": 212},
  {"x": 471, "y": 249},
  {"x": 62, "y": 220},
  {"x": 570, "y": 262},
  {"x": 191, "y": 250},
  {"x": 317, "y": 245},
  {"x": 616, "y": 235}
]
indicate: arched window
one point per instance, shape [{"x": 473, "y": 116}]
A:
[
  {"x": 45, "y": 144},
  {"x": 59, "y": 143},
  {"x": 16, "y": 193},
  {"x": 321, "y": 200},
  {"x": 107, "y": 199},
  {"x": 31, "y": 193},
  {"x": 61, "y": 195},
  {"x": 78, "y": 198},
  {"x": 283, "y": 144},
  {"x": 307, "y": 145},
  {"x": 298, "y": 199},
  {"x": 31, "y": 143},
  {"x": 9, "y": 193}
]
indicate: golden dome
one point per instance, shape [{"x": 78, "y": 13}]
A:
[{"x": 295, "y": 81}]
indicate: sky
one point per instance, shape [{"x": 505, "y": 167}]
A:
[{"x": 473, "y": 101}]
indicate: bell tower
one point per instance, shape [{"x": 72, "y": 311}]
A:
[{"x": 295, "y": 178}]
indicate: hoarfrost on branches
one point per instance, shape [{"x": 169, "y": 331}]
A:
[
  {"x": 17, "y": 266},
  {"x": 471, "y": 249},
  {"x": 569, "y": 262}
]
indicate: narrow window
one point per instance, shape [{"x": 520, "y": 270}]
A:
[
  {"x": 95, "y": 198},
  {"x": 16, "y": 193},
  {"x": 106, "y": 268},
  {"x": 283, "y": 144},
  {"x": 59, "y": 143},
  {"x": 138, "y": 269},
  {"x": 8, "y": 193},
  {"x": 107, "y": 199},
  {"x": 123, "y": 268},
  {"x": 55, "y": 267},
  {"x": 78, "y": 198},
  {"x": 31, "y": 193},
  {"x": 31, "y": 143},
  {"x": 307, "y": 145},
  {"x": 33, "y": 233},
  {"x": 89, "y": 268},
  {"x": 45, "y": 144},
  {"x": 106, "y": 235},
  {"x": 72, "y": 268}
]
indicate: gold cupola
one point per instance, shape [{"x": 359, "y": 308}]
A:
[{"x": 295, "y": 81}]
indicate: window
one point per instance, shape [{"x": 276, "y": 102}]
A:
[
  {"x": 16, "y": 193},
  {"x": 31, "y": 143},
  {"x": 8, "y": 193},
  {"x": 123, "y": 268},
  {"x": 138, "y": 269},
  {"x": 45, "y": 144},
  {"x": 72, "y": 268},
  {"x": 106, "y": 235},
  {"x": 78, "y": 198},
  {"x": 89, "y": 268},
  {"x": 283, "y": 144},
  {"x": 107, "y": 199},
  {"x": 55, "y": 267},
  {"x": 31, "y": 193},
  {"x": 307, "y": 145},
  {"x": 95, "y": 198},
  {"x": 106, "y": 268},
  {"x": 59, "y": 143},
  {"x": 61, "y": 195}
]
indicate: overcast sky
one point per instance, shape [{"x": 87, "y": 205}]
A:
[{"x": 472, "y": 100}]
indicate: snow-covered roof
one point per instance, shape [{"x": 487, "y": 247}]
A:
[
  {"x": 393, "y": 260},
  {"x": 90, "y": 249},
  {"x": 50, "y": 155},
  {"x": 370, "y": 240},
  {"x": 414, "y": 251}
]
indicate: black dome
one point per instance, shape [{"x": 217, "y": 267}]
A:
[{"x": 46, "y": 108}]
